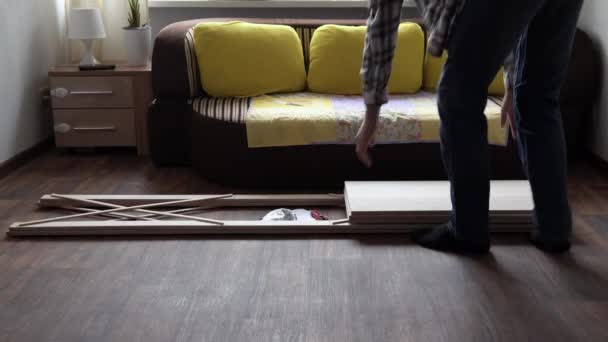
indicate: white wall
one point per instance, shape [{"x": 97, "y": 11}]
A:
[
  {"x": 115, "y": 18},
  {"x": 31, "y": 41},
  {"x": 594, "y": 21}
]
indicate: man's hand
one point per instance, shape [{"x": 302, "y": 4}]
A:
[
  {"x": 506, "y": 114},
  {"x": 366, "y": 134}
]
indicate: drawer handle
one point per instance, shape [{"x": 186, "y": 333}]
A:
[
  {"x": 64, "y": 128},
  {"x": 92, "y": 92},
  {"x": 106, "y": 128},
  {"x": 62, "y": 92}
]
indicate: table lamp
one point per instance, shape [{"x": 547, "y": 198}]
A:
[{"x": 86, "y": 24}]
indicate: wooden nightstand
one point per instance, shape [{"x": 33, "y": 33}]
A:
[{"x": 101, "y": 108}]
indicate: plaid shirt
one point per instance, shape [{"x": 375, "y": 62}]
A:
[{"x": 381, "y": 39}]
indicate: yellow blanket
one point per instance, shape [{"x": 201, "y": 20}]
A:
[{"x": 309, "y": 118}]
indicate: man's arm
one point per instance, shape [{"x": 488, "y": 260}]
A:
[
  {"x": 507, "y": 114},
  {"x": 380, "y": 43},
  {"x": 508, "y": 67}
]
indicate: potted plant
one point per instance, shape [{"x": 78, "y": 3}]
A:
[{"x": 138, "y": 37}]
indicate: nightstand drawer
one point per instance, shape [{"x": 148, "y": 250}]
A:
[
  {"x": 94, "y": 127},
  {"x": 92, "y": 92}
]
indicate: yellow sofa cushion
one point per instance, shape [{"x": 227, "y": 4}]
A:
[
  {"x": 244, "y": 59},
  {"x": 432, "y": 73},
  {"x": 336, "y": 53}
]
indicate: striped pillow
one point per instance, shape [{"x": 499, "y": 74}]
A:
[{"x": 229, "y": 109}]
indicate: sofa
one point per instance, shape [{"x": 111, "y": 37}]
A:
[{"x": 184, "y": 129}]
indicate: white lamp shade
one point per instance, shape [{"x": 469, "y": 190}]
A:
[{"x": 86, "y": 23}]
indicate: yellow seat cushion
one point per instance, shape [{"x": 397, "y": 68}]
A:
[
  {"x": 336, "y": 53},
  {"x": 244, "y": 59},
  {"x": 432, "y": 73}
]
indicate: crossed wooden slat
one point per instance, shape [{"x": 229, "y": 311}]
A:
[{"x": 115, "y": 208}]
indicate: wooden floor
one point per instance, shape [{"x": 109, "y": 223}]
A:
[{"x": 307, "y": 289}]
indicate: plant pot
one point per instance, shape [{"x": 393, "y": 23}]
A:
[{"x": 138, "y": 42}]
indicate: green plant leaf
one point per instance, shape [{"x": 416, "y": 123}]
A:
[{"x": 134, "y": 17}]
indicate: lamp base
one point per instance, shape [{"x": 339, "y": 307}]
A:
[{"x": 88, "y": 59}]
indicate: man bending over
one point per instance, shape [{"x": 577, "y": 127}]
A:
[{"x": 479, "y": 35}]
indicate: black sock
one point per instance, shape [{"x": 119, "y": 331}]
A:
[
  {"x": 549, "y": 247},
  {"x": 442, "y": 238}
]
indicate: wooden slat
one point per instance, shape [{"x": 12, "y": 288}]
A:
[
  {"x": 436, "y": 219},
  {"x": 125, "y": 208},
  {"x": 291, "y": 200},
  {"x": 110, "y": 215},
  {"x": 152, "y": 212},
  {"x": 76, "y": 228}
]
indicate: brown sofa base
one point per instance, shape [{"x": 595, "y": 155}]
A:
[{"x": 218, "y": 151}]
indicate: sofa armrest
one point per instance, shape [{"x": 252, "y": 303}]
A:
[{"x": 169, "y": 61}]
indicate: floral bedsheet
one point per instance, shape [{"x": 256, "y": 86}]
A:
[{"x": 309, "y": 118}]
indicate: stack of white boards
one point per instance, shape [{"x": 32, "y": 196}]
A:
[{"x": 428, "y": 202}]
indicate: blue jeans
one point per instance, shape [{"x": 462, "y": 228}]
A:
[{"x": 541, "y": 33}]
